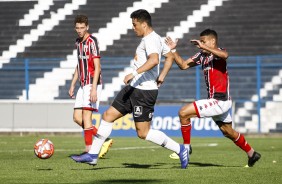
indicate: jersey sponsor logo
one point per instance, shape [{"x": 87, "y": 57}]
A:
[
  {"x": 83, "y": 57},
  {"x": 207, "y": 68},
  {"x": 138, "y": 111}
]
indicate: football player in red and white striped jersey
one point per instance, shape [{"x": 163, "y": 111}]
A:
[
  {"x": 218, "y": 103},
  {"x": 88, "y": 72}
]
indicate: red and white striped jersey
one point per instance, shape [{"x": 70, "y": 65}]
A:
[
  {"x": 215, "y": 73},
  {"x": 87, "y": 51}
]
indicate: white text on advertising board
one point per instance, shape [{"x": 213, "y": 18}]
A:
[{"x": 159, "y": 123}]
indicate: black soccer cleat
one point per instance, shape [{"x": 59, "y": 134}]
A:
[
  {"x": 252, "y": 160},
  {"x": 190, "y": 149}
]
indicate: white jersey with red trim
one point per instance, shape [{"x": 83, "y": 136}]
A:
[
  {"x": 215, "y": 73},
  {"x": 87, "y": 51}
]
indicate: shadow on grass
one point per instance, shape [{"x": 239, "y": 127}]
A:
[
  {"x": 126, "y": 165},
  {"x": 141, "y": 166},
  {"x": 46, "y": 169},
  {"x": 199, "y": 164},
  {"x": 129, "y": 181},
  {"x": 205, "y": 164},
  {"x": 159, "y": 166}
]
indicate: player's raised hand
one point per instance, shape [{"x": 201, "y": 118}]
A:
[
  {"x": 170, "y": 43},
  {"x": 197, "y": 43}
]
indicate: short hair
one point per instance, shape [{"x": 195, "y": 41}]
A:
[
  {"x": 81, "y": 19},
  {"x": 142, "y": 16},
  {"x": 209, "y": 32}
]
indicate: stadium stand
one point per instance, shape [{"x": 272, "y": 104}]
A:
[
  {"x": 9, "y": 22},
  {"x": 245, "y": 28},
  {"x": 57, "y": 43}
]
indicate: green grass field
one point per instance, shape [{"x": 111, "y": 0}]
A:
[{"x": 131, "y": 160}]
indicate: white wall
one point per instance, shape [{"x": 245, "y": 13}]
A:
[{"x": 37, "y": 117}]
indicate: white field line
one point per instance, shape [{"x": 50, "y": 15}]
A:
[{"x": 112, "y": 149}]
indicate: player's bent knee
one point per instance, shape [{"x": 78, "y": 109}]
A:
[
  {"x": 182, "y": 114},
  {"x": 77, "y": 120},
  {"x": 226, "y": 133},
  {"x": 142, "y": 135}
]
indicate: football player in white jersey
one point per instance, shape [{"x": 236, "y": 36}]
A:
[{"x": 140, "y": 93}]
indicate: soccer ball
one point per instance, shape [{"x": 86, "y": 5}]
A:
[{"x": 43, "y": 149}]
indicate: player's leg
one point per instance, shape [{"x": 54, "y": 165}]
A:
[
  {"x": 87, "y": 110},
  {"x": 104, "y": 131},
  {"x": 224, "y": 121},
  {"x": 158, "y": 137},
  {"x": 78, "y": 117},
  {"x": 185, "y": 114},
  {"x": 118, "y": 109},
  {"x": 77, "y": 113},
  {"x": 143, "y": 102},
  {"x": 105, "y": 128},
  {"x": 95, "y": 106},
  {"x": 89, "y": 107},
  {"x": 240, "y": 141},
  {"x": 88, "y": 128}
]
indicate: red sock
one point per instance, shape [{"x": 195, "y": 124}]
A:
[
  {"x": 186, "y": 133},
  {"x": 88, "y": 133},
  {"x": 95, "y": 130},
  {"x": 242, "y": 143}
]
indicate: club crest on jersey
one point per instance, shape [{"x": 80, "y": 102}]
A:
[
  {"x": 85, "y": 47},
  {"x": 138, "y": 111}
]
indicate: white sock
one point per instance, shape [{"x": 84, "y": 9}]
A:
[
  {"x": 187, "y": 146},
  {"x": 163, "y": 140},
  {"x": 103, "y": 133}
]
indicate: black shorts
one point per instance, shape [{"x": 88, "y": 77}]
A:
[{"x": 140, "y": 102}]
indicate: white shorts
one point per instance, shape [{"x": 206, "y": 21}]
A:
[
  {"x": 216, "y": 109},
  {"x": 82, "y": 99}
]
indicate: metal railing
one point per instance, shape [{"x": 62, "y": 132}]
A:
[{"x": 256, "y": 63}]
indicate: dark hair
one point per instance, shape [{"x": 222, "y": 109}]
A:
[
  {"x": 81, "y": 19},
  {"x": 142, "y": 16},
  {"x": 209, "y": 32}
]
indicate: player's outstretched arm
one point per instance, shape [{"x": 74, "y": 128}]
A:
[
  {"x": 182, "y": 64},
  {"x": 214, "y": 50}
]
